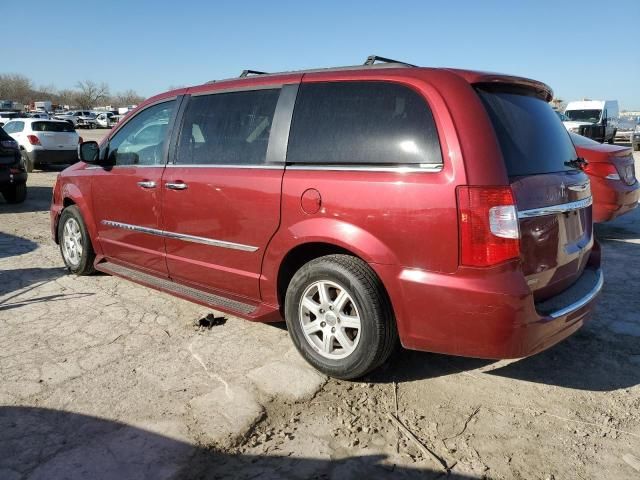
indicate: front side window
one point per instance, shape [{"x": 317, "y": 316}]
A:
[
  {"x": 366, "y": 123},
  {"x": 227, "y": 128},
  {"x": 141, "y": 141}
]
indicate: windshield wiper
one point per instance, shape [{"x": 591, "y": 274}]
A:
[{"x": 578, "y": 163}]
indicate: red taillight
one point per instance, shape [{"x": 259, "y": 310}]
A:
[
  {"x": 80, "y": 140},
  {"x": 602, "y": 170},
  {"x": 33, "y": 140},
  {"x": 488, "y": 220}
]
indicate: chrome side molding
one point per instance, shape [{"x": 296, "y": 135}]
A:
[
  {"x": 554, "y": 209},
  {"x": 181, "y": 236}
]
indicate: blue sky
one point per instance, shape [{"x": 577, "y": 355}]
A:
[{"x": 587, "y": 48}]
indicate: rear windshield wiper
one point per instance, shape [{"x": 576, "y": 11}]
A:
[{"x": 578, "y": 163}]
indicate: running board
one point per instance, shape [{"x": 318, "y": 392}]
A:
[{"x": 189, "y": 293}]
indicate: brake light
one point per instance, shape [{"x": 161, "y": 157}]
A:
[
  {"x": 602, "y": 170},
  {"x": 488, "y": 222},
  {"x": 33, "y": 140},
  {"x": 80, "y": 140}
]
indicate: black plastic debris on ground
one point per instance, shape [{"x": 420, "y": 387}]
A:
[{"x": 211, "y": 321}]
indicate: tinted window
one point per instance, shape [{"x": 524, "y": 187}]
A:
[
  {"x": 362, "y": 123},
  {"x": 532, "y": 137},
  {"x": 52, "y": 127},
  {"x": 141, "y": 140},
  {"x": 227, "y": 128},
  {"x": 4, "y": 135}
]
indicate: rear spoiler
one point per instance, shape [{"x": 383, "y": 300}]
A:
[{"x": 498, "y": 80}]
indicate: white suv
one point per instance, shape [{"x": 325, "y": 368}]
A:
[{"x": 44, "y": 141}]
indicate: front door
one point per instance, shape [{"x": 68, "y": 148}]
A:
[
  {"x": 221, "y": 195},
  {"x": 127, "y": 196}
]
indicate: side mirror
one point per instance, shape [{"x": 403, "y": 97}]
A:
[{"x": 89, "y": 152}]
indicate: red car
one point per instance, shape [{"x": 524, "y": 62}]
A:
[
  {"x": 611, "y": 169},
  {"x": 363, "y": 204}
]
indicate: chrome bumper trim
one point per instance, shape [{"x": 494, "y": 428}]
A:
[
  {"x": 180, "y": 236},
  {"x": 583, "y": 301},
  {"x": 554, "y": 209}
]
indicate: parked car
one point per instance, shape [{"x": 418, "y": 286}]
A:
[
  {"x": 7, "y": 116},
  {"x": 635, "y": 138},
  {"x": 13, "y": 175},
  {"x": 44, "y": 141},
  {"x": 107, "y": 119},
  {"x": 595, "y": 119},
  {"x": 444, "y": 207},
  {"x": 79, "y": 118},
  {"x": 42, "y": 115},
  {"x": 611, "y": 170},
  {"x": 625, "y": 131}
]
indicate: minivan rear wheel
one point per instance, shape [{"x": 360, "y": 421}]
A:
[
  {"x": 75, "y": 243},
  {"x": 339, "y": 316}
]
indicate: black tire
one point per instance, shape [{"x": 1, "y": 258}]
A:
[
  {"x": 28, "y": 164},
  {"x": 15, "y": 193},
  {"x": 378, "y": 332},
  {"x": 85, "y": 264}
]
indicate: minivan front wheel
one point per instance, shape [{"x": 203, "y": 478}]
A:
[
  {"x": 75, "y": 243},
  {"x": 339, "y": 316}
]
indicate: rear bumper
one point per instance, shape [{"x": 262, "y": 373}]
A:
[
  {"x": 53, "y": 156},
  {"x": 477, "y": 313},
  {"x": 613, "y": 198}
]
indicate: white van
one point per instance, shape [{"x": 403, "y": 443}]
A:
[{"x": 596, "y": 119}]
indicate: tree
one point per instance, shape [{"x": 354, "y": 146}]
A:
[
  {"x": 89, "y": 93},
  {"x": 15, "y": 87},
  {"x": 126, "y": 98},
  {"x": 66, "y": 97}
]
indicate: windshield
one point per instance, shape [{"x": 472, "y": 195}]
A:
[
  {"x": 52, "y": 127},
  {"x": 531, "y": 136},
  {"x": 591, "y": 116}
]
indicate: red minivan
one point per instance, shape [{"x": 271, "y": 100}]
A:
[{"x": 443, "y": 207}]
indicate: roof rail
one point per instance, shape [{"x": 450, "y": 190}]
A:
[
  {"x": 371, "y": 59},
  {"x": 246, "y": 73}
]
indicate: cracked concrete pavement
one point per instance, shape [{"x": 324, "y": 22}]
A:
[{"x": 103, "y": 378}]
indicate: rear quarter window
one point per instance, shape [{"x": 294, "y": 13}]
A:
[
  {"x": 362, "y": 123},
  {"x": 532, "y": 138}
]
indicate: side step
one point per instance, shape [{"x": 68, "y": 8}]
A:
[{"x": 189, "y": 293}]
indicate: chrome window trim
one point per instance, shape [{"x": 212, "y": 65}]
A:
[
  {"x": 583, "y": 301},
  {"x": 425, "y": 168},
  {"x": 181, "y": 236},
  {"x": 207, "y": 165},
  {"x": 554, "y": 209}
]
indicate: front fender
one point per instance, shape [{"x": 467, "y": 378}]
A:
[
  {"x": 319, "y": 230},
  {"x": 71, "y": 191}
]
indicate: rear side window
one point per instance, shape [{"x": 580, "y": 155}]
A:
[
  {"x": 227, "y": 128},
  {"x": 532, "y": 138},
  {"x": 52, "y": 127},
  {"x": 366, "y": 123},
  {"x": 14, "y": 127}
]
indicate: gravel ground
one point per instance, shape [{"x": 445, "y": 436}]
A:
[{"x": 101, "y": 378}]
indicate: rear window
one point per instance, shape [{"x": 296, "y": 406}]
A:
[
  {"x": 367, "y": 123},
  {"x": 52, "y": 127},
  {"x": 532, "y": 138}
]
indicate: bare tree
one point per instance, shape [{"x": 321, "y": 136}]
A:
[
  {"x": 126, "y": 98},
  {"x": 15, "y": 87},
  {"x": 90, "y": 93},
  {"x": 66, "y": 97}
]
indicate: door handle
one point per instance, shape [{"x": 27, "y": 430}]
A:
[
  {"x": 176, "y": 186},
  {"x": 147, "y": 184}
]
